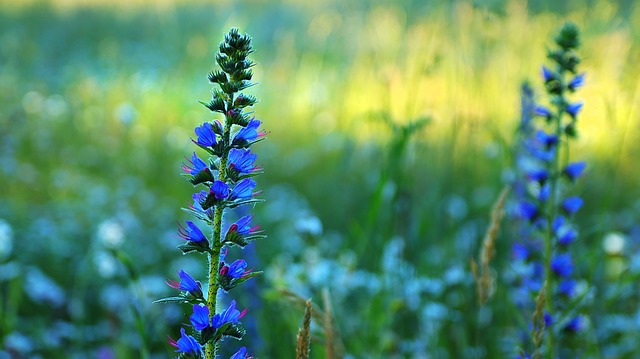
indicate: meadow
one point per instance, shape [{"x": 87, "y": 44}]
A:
[{"x": 391, "y": 133}]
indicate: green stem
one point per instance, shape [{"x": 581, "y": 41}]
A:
[{"x": 211, "y": 348}]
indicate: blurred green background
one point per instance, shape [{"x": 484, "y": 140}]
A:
[{"x": 390, "y": 128}]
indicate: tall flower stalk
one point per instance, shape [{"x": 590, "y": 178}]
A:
[
  {"x": 545, "y": 204},
  {"x": 225, "y": 179}
]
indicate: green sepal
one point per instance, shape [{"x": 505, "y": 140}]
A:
[
  {"x": 172, "y": 300},
  {"x": 199, "y": 215},
  {"x": 235, "y": 176},
  {"x": 235, "y": 238},
  {"x": 243, "y": 101},
  {"x": 215, "y": 105},
  {"x": 235, "y": 204},
  {"x": 191, "y": 247},
  {"x": 245, "y": 144},
  {"x": 203, "y": 176},
  {"x": 217, "y": 76},
  {"x": 233, "y": 331},
  {"x": 228, "y": 283}
]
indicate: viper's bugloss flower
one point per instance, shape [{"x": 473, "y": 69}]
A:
[
  {"x": 567, "y": 287},
  {"x": 543, "y": 112},
  {"x": 548, "y": 140},
  {"x": 574, "y": 108},
  {"x": 187, "y": 283},
  {"x": 248, "y": 133},
  {"x": 545, "y": 192},
  {"x": 200, "y": 317},
  {"x": 230, "y": 315},
  {"x": 242, "y": 160},
  {"x": 566, "y": 235},
  {"x": 574, "y": 170},
  {"x": 571, "y": 205},
  {"x": 235, "y": 270},
  {"x": 529, "y": 211},
  {"x": 206, "y": 135},
  {"x": 547, "y": 74},
  {"x": 186, "y": 344},
  {"x": 562, "y": 265},
  {"x": 576, "y": 82},
  {"x": 191, "y": 232},
  {"x": 219, "y": 190},
  {"x": 198, "y": 199},
  {"x": 243, "y": 226},
  {"x": 574, "y": 325},
  {"x": 548, "y": 319},
  {"x": 241, "y": 354},
  {"x": 195, "y": 166},
  {"x": 243, "y": 189}
]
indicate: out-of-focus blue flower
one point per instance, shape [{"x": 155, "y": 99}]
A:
[
  {"x": 547, "y": 74},
  {"x": 529, "y": 211},
  {"x": 243, "y": 189},
  {"x": 571, "y": 205},
  {"x": 195, "y": 166},
  {"x": 539, "y": 175},
  {"x": 206, "y": 135},
  {"x": 574, "y": 325},
  {"x": 543, "y": 112},
  {"x": 191, "y": 232},
  {"x": 574, "y": 108},
  {"x": 186, "y": 344},
  {"x": 562, "y": 265},
  {"x": 577, "y": 81},
  {"x": 520, "y": 251},
  {"x": 200, "y": 317},
  {"x": 220, "y": 190},
  {"x": 574, "y": 170},
  {"x": 548, "y": 319},
  {"x": 548, "y": 140},
  {"x": 545, "y": 192},
  {"x": 566, "y": 235},
  {"x": 242, "y": 160},
  {"x": 567, "y": 287}
]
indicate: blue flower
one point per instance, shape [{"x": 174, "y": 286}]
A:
[
  {"x": 539, "y": 175},
  {"x": 206, "y": 136},
  {"x": 198, "y": 199},
  {"x": 195, "y": 166},
  {"x": 571, "y": 205},
  {"x": 529, "y": 211},
  {"x": 219, "y": 189},
  {"x": 542, "y": 112},
  {"x": 188, "y": 283},
  {"x": 566, "y": 235},
  {"x": 230, "y": 315},
  {"x": 574, "y": 170},
  {"x": 186, "y": 344},
  {"x": 243, "y": 189},
  {"x": 242, "y": 160},
  {"x": 235, "y": 270},
  {"x": 562, "y": 265},
  {"x": 520, "y": 251},
  {"x": 574, "y": 108},
  {"x": 248, "y": 133},
  {"x": 549, "y": 140},
  {"x": 574, "y": 325},
  {"x": 577, "y": 81},
  {"x": 547, "y": 74},
  {"x": 545, "y": 192},
  {"x": 191, "y": 233},
  {"x": 243, "y": 225},
  {"x": 241, "y": 354},
  {"x": 200, "y": 317},
  {"x": 567, "y": 287}
]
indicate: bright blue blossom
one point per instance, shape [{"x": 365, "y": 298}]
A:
[
  {"x": 248, "y": 133},
  {"x": 545, "y": 192},
  {"x": 186, "y": 344},
  {"x": 543, "y": 112},
  {"x": 574, "y": 170},
  {"x": 577, "y": 81},
  {"x": 242, "y": 160},
  {"x": 562, "y": 265},
  {"x": 220, "y": 190},
  {"x": 539, "y": 175},
  {"x": 567, "y": 235},
  {"x": 195, "y": 166},
  {"x": 574, "y": 325},
  {"x": 243, "y": 189},
  {"x": 200, "y": 317},
  {"x": 547, "y": 74},
  {"x": 571, "y": 205},
  {"x": 206, "y": 135},
  {"x": 241, "y": 354},
  {"x": 567, "y": 287},
  {"x": 574, "y": 108},
  {"x": 529, "y": 211},
  {"x": 548, "y": 140},
  {"x": 230, "y": 315},
  {"x": 191, "y": 233}
]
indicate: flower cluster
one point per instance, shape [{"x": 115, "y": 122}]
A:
[
  {"x": 226, "y": 179},
  {"x": 542, "y": 254}
]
